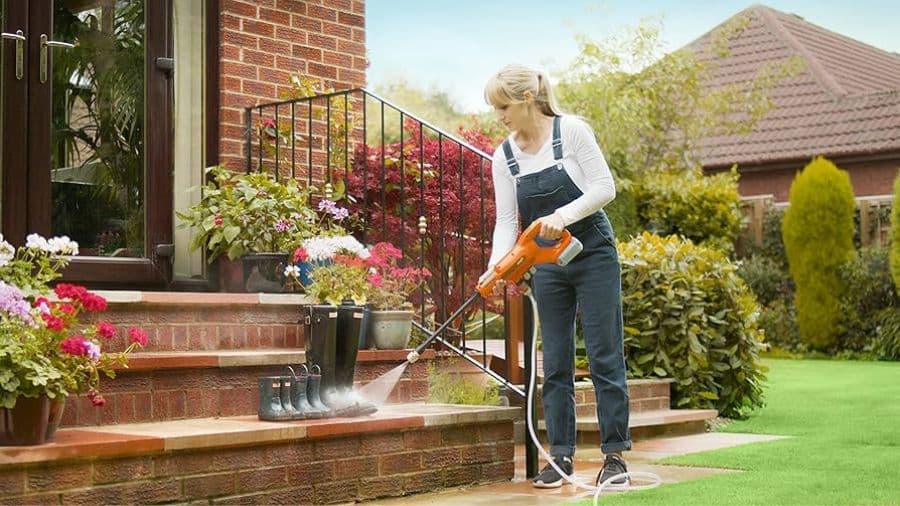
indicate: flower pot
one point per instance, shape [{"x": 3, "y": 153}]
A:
[
  {"x": 264, "y": 272},
  {"x": 390, "y": 329},
  {"x": 25, "y": 423},
  {"x": 231, "y": 275},
  {"x": 57, "y": 407}
]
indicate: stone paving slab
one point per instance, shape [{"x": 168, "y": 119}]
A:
[{"x": 588, "y": 463}]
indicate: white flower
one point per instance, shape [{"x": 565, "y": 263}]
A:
[
  {"x": 35, "y": 241},
  {"x": 7, "y": 252},
  {"x": 63, "y": 245},
  {"x": 292, "y": 271},
  {"x": 325, "y": 248}
]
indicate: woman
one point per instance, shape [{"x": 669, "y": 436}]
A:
[{"x": 551, "y": 170}]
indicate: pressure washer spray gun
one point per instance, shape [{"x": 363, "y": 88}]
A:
[{"x": 515, "y": 266}]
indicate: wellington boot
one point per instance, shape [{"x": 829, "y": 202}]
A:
[{"x": 270, "y": 408}]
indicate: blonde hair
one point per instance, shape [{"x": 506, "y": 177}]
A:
[{"x": 508, "y": 86}]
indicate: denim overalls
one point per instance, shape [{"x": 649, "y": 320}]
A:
[{"x": 592, "y": 282}]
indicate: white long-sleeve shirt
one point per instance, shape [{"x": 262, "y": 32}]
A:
[{"x": 584, "y": 163}]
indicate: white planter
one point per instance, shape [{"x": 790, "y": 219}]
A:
[{"x": 390, "y": 330}]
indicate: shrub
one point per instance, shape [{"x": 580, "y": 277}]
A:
[
  {"x": 818, "y": 238},
  {"x": 895, "y": 233},
  {"x": 765, "y": 277},
  {"x": 778, "y": 321},
  {"x": 446, "y": 387},
  {"x": 868, "y": 290},
  {"x": 622, "y": 212},
  {"x": 887, "y": 334},
  {"x": 689, "y": 316},
  {"x": 704, "y": 209}
]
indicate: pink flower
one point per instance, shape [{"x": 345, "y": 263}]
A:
[
  {"x": 96, "y": 399},
  {"x": 136, "y": 335},
  {"x": 218, "y": 220},
  {"x": 75, "y": 345},
  {"x": 68, "y": 291},
  {"x": 93, "y": 302},
  {"x": 66, "y": 308},
  {"x": 53, "y": 323},
  {"x": 375, "y": 279},
  {"x": 41, "y": 301},
  {"x": 106, "y": 329},
  {"x": 300, "y": 255}
]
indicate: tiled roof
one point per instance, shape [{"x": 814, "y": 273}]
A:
[{"x": 846, "y": 100}]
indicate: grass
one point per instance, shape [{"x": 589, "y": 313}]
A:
[{"x": 845, "y": 421}]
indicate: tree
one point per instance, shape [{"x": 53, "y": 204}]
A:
[
  {"x": 895, "y": 234},
  {"x": 818, "y": 238}
]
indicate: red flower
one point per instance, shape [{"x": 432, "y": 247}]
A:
[
  {"x": 136, "y": 335},
  {"x": 75, "y": 345},
  {"x": 218, "y": 220},
  {"x": 350, "y": 261},
  {"x": 67, "y": 291},
  {"x": 53, "y": 323},
  {"x": 106, "y": 329},
  {"x": 41, "y": 300},
  {"x": 66, "y": 308},
  {"x": 93, "y": 302},
  {"x": 300, "y": 255},
  {"x": 96, "y": 398}
]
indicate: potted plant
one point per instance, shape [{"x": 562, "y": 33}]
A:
[
  {"x": 391, "y": 285},
  {"x": 46, "y": 354},
  {"x": 255, "y": 222}
]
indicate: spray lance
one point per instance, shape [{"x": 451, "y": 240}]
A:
[{"x": 515, "y": 266}]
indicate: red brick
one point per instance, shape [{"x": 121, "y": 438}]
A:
[
  {"x": 479, "y": 454},
  {"x": 359, "y": 35},
  {"x": 338, "y": 31},
  {"x": 458, "y": 476},
  {"x": 359, "y": 7},
  {"x": 319, "y": 70},
  {"x": 360, "y": 77},
  {"x": 288, "y": 454},
  {"x": 299, "y": 495},
  {"x": 147, "y": 492},
  {"x": 253, "y": 57},
  {"x": 360, "y": 63},
  {"x": 177, "y": 405},
  {"x": 332, "y": 492},
  {"x": 381, "y": 443},
  {"x": 294, "y": 6},
  {"x": 259, "y": 89},
  {"x": 260, "y": 28},
  {"x": 444, "y": 457},
  {"x": 336, "y": 448},
  {"x": 238, "y": 401},
  {"x": 275, "y": 46},
  {"x": 50, "y": 498},
  {"x": 210, "y": 485},
  {"x": 399, "y": 463},
  {"x": 337, "y": 59},
  {"x": 422, "y": 439},
  {"x": 341, "y": 5},
  {"x": 422, "y": 482},
  {"x": 182, "y": 463},
  {"x": 239, "y": 39},
  {"x": 498, "y": 472},
  {"x": 319, "y": 12},
  {"x": 58, "y": 477},
  {"x": 260, "y": 479},
  {"x": 316, "y": 39},
  {"x": 348, "y": 46},
  {"x": 239, "y": 8},
  {"x": 371, "y": 488},
  {"x": 229, "y": 99},
  {"x": 12, "y": 481},
  {"x": 308, "y": 474},
  {"x": 459, "y": 436},
  {"x": 275, "y": 16},
  {"x": 496, "y": 432},
  {"x": 288, "y": 63},
  {"x": 108, "y": 413},
  {"x": 351, "y": 19},
  {"x": 119, "y": 470}
]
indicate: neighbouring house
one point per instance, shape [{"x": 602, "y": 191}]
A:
[{"x": 844, "y": 105}]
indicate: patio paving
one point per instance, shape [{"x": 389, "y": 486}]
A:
[{"x": 587, "y": 464}]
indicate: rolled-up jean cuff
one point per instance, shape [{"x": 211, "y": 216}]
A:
[
  {"x": 619, "y": 446},
  {"x": 562, "y": 451}
]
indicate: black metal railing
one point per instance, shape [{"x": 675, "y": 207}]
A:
[{"x": 407, "y": 181}]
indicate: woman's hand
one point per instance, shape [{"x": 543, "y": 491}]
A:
[{"x": 551, "y": 226}]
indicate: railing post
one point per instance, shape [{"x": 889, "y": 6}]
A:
[{"x": 526, "y": 325}]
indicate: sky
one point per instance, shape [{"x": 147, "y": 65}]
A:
[{"x": 455, "y": 45}]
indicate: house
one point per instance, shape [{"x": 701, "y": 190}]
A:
[{"x": 844, "y": 105}]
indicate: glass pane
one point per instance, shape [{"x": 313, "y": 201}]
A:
[{"x": 98, "y": 125}]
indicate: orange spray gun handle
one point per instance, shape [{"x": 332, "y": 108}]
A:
[{"x": 527, "y": 253}]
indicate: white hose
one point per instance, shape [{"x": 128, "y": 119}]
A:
[{"x": 657, "y": 481}]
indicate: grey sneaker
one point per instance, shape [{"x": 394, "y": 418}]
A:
[
  {"x": 612, "y": 466},
  {"x": 549, "y": 478}
]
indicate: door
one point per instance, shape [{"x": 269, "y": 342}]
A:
[{"x": 86, "y": 134}]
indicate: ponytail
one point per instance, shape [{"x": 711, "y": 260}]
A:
[{"x": 510, "y": 84}]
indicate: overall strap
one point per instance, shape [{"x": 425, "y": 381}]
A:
[
  {"x": 510, "y": 158},
  {"x": 557, "y": 140}
]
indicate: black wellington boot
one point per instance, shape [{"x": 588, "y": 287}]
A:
[
  {"x": 350, "y": 331},
  {"x": 285, "y": 393},
  {"x": 313, "y": 385},
  {"x": 320, "y": 345},
  {"x": 298, "y": 396},
  {"x": 270, "y": 408}
]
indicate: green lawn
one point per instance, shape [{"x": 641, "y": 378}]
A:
[{"x": 845, "y": 421}]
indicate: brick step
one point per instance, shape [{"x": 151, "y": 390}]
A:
[
  {"x": 644, "y": 425},
  {"x": 197, "y": 321},
  {"x": 160, "y": 386},
  {"x": 403, "y": 449},
  {"x": 643, "y": 395}
]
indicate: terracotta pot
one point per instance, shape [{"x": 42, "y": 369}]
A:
[{"x": 26, "y": 422}]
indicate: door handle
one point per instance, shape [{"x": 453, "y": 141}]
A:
[
  {"x": 45, "y": 45},
  {"x": 19, "y": 37}
]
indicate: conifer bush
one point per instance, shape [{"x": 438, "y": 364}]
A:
[
  {"x": 818, "y": 238},
  {"x": 895, "y": 234}
]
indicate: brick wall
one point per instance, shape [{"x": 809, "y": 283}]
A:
[
  {"x": 261, "y": 42},
  {"x": 342, "y": 469}
]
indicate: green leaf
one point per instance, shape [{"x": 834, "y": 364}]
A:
[{"x": 231, "y": 232}]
